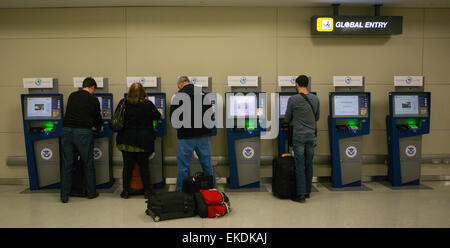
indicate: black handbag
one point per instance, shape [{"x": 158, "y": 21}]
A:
[
  {"x": 117, "y": 120},
  {"x": 199, "y": 181}
]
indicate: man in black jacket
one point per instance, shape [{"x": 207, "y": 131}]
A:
[
  {"x": 81, "y": 118},
  {"x": 187, "y": 111}
]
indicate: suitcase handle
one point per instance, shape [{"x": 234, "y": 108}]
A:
[{"x": 286, "y": 155}]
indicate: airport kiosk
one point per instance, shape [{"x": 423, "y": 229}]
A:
[
  {"x": 206, "y": 84},
  {"x": 102, "y": 140},
  {"x": 349, "y": 119},
  {"x": 408, "y": 120},
  {"x": 287, "y": 84},
  {"x": 152, "y": 86},
  {"x": 245, "y": 107},
  {"x": 42, "y": 114}
]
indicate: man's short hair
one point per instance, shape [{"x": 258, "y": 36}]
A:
[
  {"x": 89, "y": 82},
  {"x": 183, "y": 79},
  {"x": 302, "y": 81}
]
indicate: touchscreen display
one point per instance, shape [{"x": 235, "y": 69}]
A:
[
  {"x": 406, "y": 104},
  {"x": 242, "y": 106}
]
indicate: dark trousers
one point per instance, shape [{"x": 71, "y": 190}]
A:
[
  {"x": 77, "y": 141},
  {"x": 129, "y": 160}
]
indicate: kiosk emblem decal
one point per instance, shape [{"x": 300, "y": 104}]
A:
[
  {"x": 142, "y": 81},
  {"x": 194, "y": 80},
  {"x": 348, "y": 80},
  {"x": 248, "y": 152},
  {"x": 351, "y": 151},
  {"x": 411, "y": 151},
  {"x": 243, "y": 80},
  {"x": 97, "y": 153},
  {"x": 38, "y": 82},
  {"x": 408, "y": 80},
  {"x": 46, "y": 153}
]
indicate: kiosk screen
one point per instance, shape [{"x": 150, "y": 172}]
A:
[
  {"x": 283, "y": 104},
  {"x": 346, "y": 106},
  {"x": 42, "y": 107},
  {"x": 242, "y": 106},
  {"x": 406, "y": 104}
]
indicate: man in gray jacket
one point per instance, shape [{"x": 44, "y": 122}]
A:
[{"x": 303, "y": 110}]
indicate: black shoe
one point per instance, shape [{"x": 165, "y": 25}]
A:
[
  {"x": 64, "y": 199},
  {"x": 300, "y": 199},
  {"x": 124, "y": 194},
  {"x": 94, "y": 196},
  {"x": 148, "y": 194},
  {"x": 307, "y": 196}
]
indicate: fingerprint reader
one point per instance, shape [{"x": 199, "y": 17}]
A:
[
  {"x": 249, "y": 124},
  {"x": 48, "y": 126}
]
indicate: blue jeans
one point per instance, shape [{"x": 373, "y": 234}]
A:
[
  {"x": 303, "y": 155},
  {"x": 184, "y": 156},
  {"x": 77, "y": 141}
]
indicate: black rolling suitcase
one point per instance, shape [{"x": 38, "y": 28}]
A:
[
  {"x": 283, "y": 177},
  {"x": 170, "y": 205},
  {"x": 283, "y": 174}
]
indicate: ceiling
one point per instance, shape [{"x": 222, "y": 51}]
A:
[{"x": 230, "y": 3}]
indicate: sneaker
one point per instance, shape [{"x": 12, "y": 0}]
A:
[
  {"x": 94, "y": 196},
  {"x": 300, "y": 199},
  {"x": 64, "y": 199}
]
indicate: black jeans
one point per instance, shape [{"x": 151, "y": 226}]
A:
[
  {"x": 76, "y": 141},
  {"x": 129, "y": 160}
]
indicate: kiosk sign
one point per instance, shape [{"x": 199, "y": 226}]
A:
[{"x": 386, "y": 25}]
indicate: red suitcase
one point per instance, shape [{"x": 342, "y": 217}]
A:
[{"x": 212, "y": 203}]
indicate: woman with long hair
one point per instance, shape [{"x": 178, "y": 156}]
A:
[{"x": 136, "y": 140}]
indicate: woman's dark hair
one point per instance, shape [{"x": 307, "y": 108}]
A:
[
  {"x": 302, "y": 81},
  {"x": 89, "y": 82},
  {"x": 136, "y": 93}
]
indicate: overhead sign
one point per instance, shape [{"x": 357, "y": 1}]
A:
[
  {"x": 78, "y": 81},
  {"x": 286, "y": 81},
  {"x": 348, "y": 81},
  {"x": 408, "y": 80},
  {"x": 199, "y": 81},
  {"x": 147, "y": 82},
  {"x": 37, "y": 83},
  {"x": 243, "y": 81},
  {"x": 357, "y": 25}
]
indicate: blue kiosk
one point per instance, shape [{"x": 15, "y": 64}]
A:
[
  {"x": 245, "y": 107},
  {"x": 408, "y": 120},
  {"x": 349, "y": 119},
  {"x": 152, "y": 87},
  {"x": 102, "y": 140},
  {"x": 206, "y": 84},
  {"x": 42, "y": 114},
  {"x": 287, "y": 85}
]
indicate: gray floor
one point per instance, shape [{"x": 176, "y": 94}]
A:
[{"x": 382, "y": 206}]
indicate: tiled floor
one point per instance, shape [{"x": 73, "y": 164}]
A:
[{"x": 380, "y": 207}]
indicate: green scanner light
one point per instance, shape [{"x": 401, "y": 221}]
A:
[
  {"x": 250, "y": 124},
  {"x": 155, "y": 123},
  {"x": 412, "y": 123},
  {"x": 48, "y": 125},
  {"x": 353, "y": 124}
]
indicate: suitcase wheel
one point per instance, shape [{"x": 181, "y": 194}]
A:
[{"x": 156, "y": 219}]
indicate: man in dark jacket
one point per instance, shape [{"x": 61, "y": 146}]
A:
[
  {"x": 186, "y": 111},
  {"x": 81, "y": 118}
]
